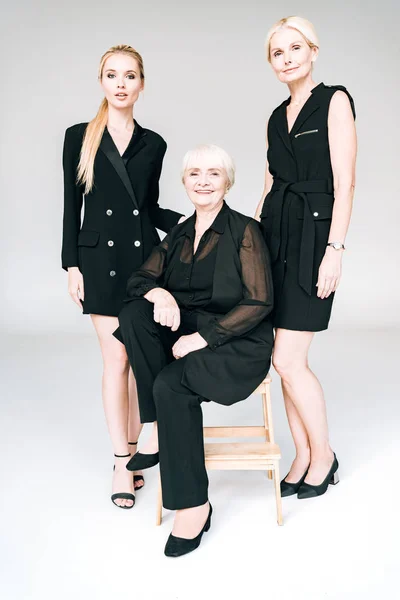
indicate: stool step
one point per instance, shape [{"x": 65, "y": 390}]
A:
[
  {"x": 241, "y": 451},
  {"x": 234, "y": 431}
]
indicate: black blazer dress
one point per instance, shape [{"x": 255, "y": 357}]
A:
[
  {"x": 297, "y": 212},
  {"x": 121, "y": 214}
]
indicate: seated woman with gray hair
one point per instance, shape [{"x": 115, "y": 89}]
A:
[{"x": 196, "y": 328}]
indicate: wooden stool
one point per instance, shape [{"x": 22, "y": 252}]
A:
[{"x": 260, "y": 456}]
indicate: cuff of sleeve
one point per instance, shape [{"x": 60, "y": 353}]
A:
[
  {"x": 141, "y": 290},
  {"x": 211, "y": 335},
  {"x": 66, "y": 266}
]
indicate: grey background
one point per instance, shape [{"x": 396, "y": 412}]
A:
[{"x": 207, "y": 81}]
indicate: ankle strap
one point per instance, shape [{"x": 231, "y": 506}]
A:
[
  {"x": 121, "y": 455},
  {"x": 132, "y": 443}
]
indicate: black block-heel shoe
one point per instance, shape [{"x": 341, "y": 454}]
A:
[
  {"x": 311, "y": 491},
  {"x": 177, "y": 546},
  {"x": 289, "y": 489},
  {"x": 136, "y": 478},
  {"x": 122, "y": 495},
  {"x": 141, "y": 461}
]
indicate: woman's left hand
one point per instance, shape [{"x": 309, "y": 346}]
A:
[
  {"x": 329, "y": 273},
  {"x": 188, "y": 343}
]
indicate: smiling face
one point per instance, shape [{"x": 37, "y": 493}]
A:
[
  {"x": 206, "y": 181},
  {"x": 121, "y": 80},
  {"x": 290, "y": 55}
]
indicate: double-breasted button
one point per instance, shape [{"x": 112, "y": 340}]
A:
[
  {"x": 110, "y": 243},
  {"x": 109, "y": 212},
  {"x": 112, "y": 273},
  {"x": 137, "y": 243},
  {"x": 315, "y": 214},
  {"x": 136, "y": 212}
]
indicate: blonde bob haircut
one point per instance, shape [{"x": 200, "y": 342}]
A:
[
  {"x": 218, "y": 156},
  {"x": 301, "y": 25},
  {"x": 95, "y": 129}
]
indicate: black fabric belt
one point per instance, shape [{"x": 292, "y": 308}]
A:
[{"x": 280, "y": 189}]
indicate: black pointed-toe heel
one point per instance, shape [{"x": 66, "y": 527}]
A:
[
  {"x": 122, "y": 495},
  {"x": 136, "y": 478},
  {"x": 289, "y": 489},
  {"x": 141, "y": 461},
  {"x": 312, "y": 491},
  {"x": 177, "y": 546}
]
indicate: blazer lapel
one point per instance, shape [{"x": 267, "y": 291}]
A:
[
  {"x": 110, "y": 150},
  {"x": 303, "y": 115},
  {"x": 137, "y": 143},
  {"x": 282, "y": 126},
  {"x": 226, "y": 281},
  {"x": 308, "y": 109}
]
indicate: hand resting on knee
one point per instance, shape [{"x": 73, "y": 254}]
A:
[{"x": 166, "y": 310}]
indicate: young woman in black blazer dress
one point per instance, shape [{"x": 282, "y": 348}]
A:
[
  {"x": 305, "y": 213},
  {"x": 115, "y": 165}
]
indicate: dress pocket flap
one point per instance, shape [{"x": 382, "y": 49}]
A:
[
  {"x": 88, "y": 238},
  {"x": 318, "y": 212}
]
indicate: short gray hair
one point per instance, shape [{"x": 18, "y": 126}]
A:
[{"x": 223, "y": 159}]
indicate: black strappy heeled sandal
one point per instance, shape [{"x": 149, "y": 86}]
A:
[
  {"x": 136, "y": 478},
  {"x": 122, "y": 495}
]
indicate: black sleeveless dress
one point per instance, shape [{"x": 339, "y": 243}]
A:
[{"x": 297, "y": 212}]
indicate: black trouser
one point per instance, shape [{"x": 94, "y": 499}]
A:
[{"x": 164, "y": 399}]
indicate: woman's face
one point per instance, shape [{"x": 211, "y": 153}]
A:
[
  {"x": 206, "y": 182},
  {"x": 291, "y": 56},
  {"x": 121, "y": 80}
]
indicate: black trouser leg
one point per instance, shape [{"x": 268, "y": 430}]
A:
[
  {"x": 148, "y": 346},
  {"x": 180, "y": 434}
]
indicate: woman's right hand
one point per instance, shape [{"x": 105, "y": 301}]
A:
[
  {"x": 166, "y": 310},
  {"x": 75, "y": 285}
]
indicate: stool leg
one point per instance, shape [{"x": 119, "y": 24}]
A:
[
  {"x": 159, "y": 503},
  {"x": 278, "y": 494},
  {"x": 267, "y": 418}
]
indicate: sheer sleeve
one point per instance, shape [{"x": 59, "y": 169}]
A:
[
  {"x": 150, "y": 274},
  {"x": 257, "y": 300}
]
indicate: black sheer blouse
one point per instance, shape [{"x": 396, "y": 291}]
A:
[{"x": 191, "y": 276}]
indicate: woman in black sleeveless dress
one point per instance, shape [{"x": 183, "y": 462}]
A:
[{"x": 305, "y": 213}]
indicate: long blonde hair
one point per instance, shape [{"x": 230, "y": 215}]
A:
[
  {"x": 95, "y": 129},
  {"x": 306, "y": 28}
]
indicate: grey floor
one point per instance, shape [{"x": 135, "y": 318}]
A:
[{"x": 62, "y": 538}]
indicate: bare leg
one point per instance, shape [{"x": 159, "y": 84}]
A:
[
  {"x": 190, "y": 521},
  {"x": 134, "y": 424},
  {"x": 115, "y": 399},
  {"x": 151, "y": 446},
  {"x": 304, "y": 391},
  {"x": 300, "y": 438}
]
